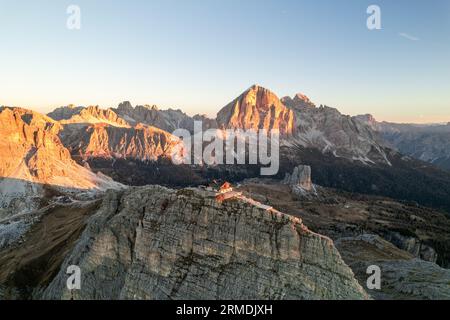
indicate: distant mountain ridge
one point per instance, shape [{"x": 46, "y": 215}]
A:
[
  {"x": 301, "y": 122},
  {"x": 429, "y": 143},
  {"x": 298, "y": 120}
]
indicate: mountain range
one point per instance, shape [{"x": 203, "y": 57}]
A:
[
  {"x": 34, "y": 161},
  {"x": 97, "y": 188},
  {"x": 355, "y": 154}
]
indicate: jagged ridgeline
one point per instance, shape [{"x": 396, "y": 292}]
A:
[
  {"x": 133, "y": 145},
  {"x": 74, "y": 191}
]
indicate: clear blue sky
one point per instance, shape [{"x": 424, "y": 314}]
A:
[{"x": 200, "y": 54}]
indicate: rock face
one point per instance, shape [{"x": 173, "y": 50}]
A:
[
  {"x": 301, "y": 123},
  {"x": 402, "y": 276},
  {"x": 299, "y": 102},
  {"x": 157, "y": 243},
  {"x": 257, "y": 108},
  {"x": 141, "y": 142},
  {"x": 428, "y": 143},
  {"x": 329, "y": 131},
  {"x": 167, "y": 120},
  {"x": 300, "y": 177},
  {"x": 65, "y": 113},
  {"x": 208, "y": 123},
  {"x": 412, "y": 245},
  {"x": 33, "y": 158}
]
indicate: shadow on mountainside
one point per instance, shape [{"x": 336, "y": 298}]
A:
[{"x": 407, "y": 179}]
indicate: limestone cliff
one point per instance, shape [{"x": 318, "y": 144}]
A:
[
  {"x": 425, "y": 142},
  {"x": 157, "y": 243},
  {"x": 65, "y": 113},
  {"x": 93, "y": 115},
  {"x": 300, "y": 177}
]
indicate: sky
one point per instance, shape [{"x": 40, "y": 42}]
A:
[{"x": 198, "y": 55}]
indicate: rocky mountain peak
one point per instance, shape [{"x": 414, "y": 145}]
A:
[
  {"x": 233, "y": 249},
  {"x": 125, "y": 106},
  {"x": 141, "y": 142},
  {"x": 21, "y": 116},
  {"x": 257, "y": 108},
  {"x": 168, "y": 120},
  {"x": 300, "y": 178}
]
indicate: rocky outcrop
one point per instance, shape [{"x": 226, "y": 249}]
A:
[
  {"x": 207, "y": 123},
  {"x": 429, "y": 143},
  {"x": 33, "y": 159},
  {"x": 329, "y": 131},
  {"x": 257, "y": 108},
  {"x": 167, "y": 120},
  {"x": 157, "y": 243},
  {"x": 301, "y": 123},
  {"x": 418, "y": 231},
  {"x": 299, "y": 102},
  {"x": 402, "y": 276},
  {"x": 297, "y": 119},
  {"x": 300, "y": 177},
  {"x": 368, "y": 120}
]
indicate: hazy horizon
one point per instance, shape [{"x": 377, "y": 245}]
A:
[{"x": 198, "y": 56}]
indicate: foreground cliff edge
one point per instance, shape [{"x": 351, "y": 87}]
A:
[{"x": 156, "y": 243}]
